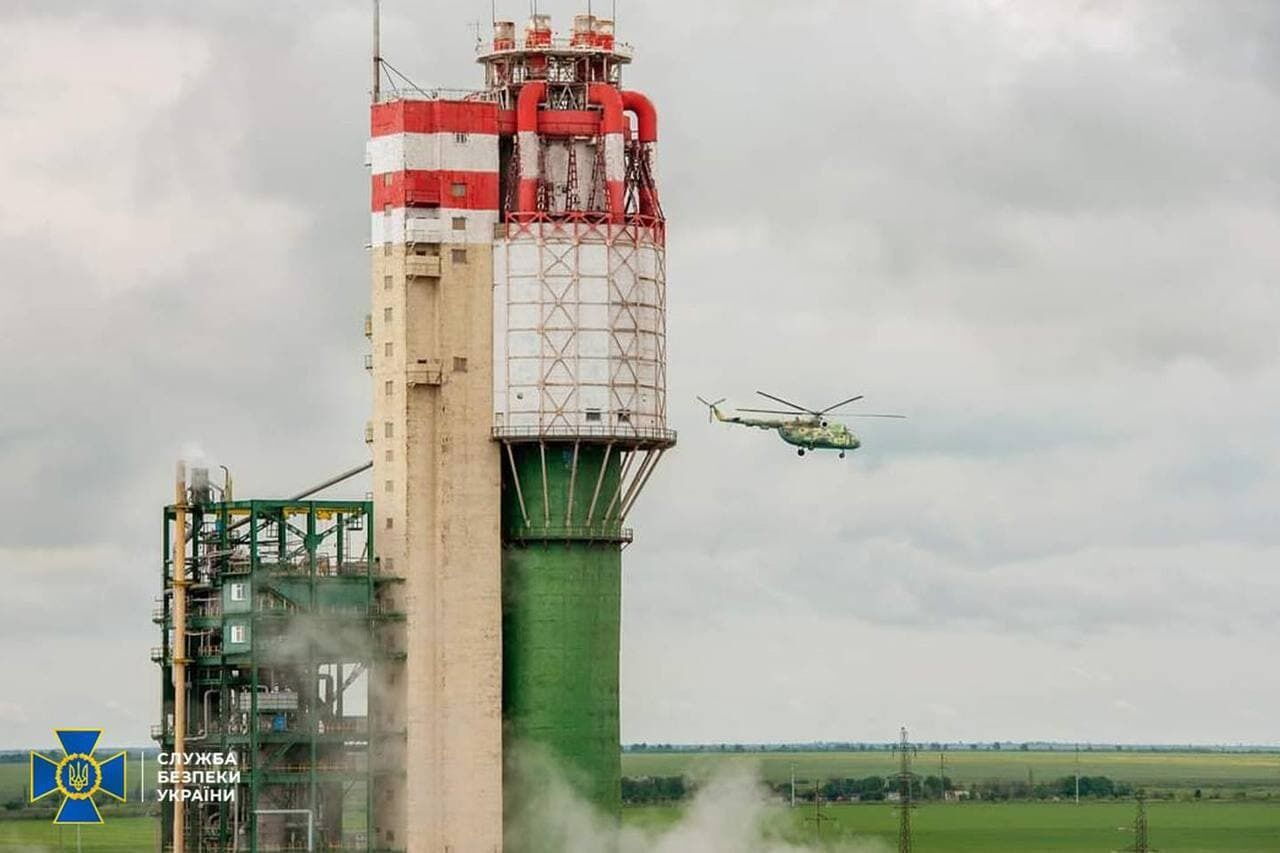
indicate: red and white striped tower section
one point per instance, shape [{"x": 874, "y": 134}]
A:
[
  {"x": 437, "y": 482},
  {"x": 518, "y": 334}
]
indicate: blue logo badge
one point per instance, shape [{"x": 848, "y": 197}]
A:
[{"x": 78, "y": 776}]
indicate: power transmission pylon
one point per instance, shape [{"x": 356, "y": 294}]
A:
[
  {"x": 818, "y": 817},
  {"x": 905, "y": 753},
  {"x": 1141, "y": 842}
]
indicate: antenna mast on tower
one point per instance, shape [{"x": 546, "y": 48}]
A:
[{"x": 376, "y": 89}]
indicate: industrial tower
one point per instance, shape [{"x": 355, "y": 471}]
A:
[
  {"x": 519, "y": 372},
  {"x": 269, "y": 615}
]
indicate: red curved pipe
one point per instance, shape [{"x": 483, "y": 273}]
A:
[
  {"x": 646, "y": 115},
  {"x": 647, "y": 133},
  {"x": 612, "y": 126},
  {"x": 531, "y": 94},
  {"x": 610, "y": 99}
]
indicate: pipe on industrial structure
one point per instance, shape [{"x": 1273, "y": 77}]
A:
[
  {"x": 615, "y": 156},
  {"x": 647, "y": 135},
  {"x": 332, "y": 481},
  {"x": 645, "y": 112},
  {"x": 527, "y": 144},
  {"x": 612, "y": 127},
  {"x": 179, "y": 569}
]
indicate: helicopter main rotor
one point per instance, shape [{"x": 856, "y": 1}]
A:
[{"x": 819, "y": 414}]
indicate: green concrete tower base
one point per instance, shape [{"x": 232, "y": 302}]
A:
[
  {"x": 560, "y": 646},
  {"x": 562, "y": 610}
]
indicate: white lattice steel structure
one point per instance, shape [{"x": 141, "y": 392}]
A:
[{"x": 579, "y": 331}]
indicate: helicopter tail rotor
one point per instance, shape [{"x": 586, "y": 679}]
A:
[{"x": 711, "y": 407}]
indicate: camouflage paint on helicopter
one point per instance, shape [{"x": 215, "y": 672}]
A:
[{"x": 806, "y": 429}]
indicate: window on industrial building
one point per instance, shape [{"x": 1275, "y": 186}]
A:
[
  {"x": 458, "y": 190},
  {"x": 388, "y": 348},
  {"x": 458, "y": 256},
  {"x": 391, "y": 522},
  {"x": 386, "y": 211},
  {"x": 460, "y": 137},
  {"x": 390, "y": 387},
  {"x": 593, "y": 414},
  {"x": 386, "y": 315},
  {"x": 389, "y": 486},
  {"x": 237, "y": 633},
  {"x": 239, "y": 591},
  {"x": 390, "y": 429},
  {"x": 386, "y": 249},
  {"x": 386, "y": 282},
  {"x": 386, "y": 179},
  {"x": 389, "y": 455},
  {"x": 459, "y": 223},
  {"x": 459, "y": 365}
]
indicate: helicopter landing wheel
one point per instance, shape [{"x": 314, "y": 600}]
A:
[{"x": 800, "y": 452}]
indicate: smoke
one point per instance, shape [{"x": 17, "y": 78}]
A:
[{"x": 730, "y": 813}]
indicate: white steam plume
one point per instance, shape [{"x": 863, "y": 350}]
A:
[{"x": 730, "y": 813}]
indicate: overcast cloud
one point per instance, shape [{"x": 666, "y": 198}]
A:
[{"x": 1046, "y": 231}]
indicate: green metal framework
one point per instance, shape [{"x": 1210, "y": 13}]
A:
[{"x": 284, "y": 617}]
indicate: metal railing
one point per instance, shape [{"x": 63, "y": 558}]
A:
[
  {"x": 620, "y": 49},
  {"x": 604, "y": 532},
  {"x": 415, "y": 93},
  {"x": 617, "y": 433},
  {"x": 422, "y": 266}
]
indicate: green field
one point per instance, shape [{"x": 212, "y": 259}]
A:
[
  {"x": 1176, "y": 827},
  {"x": 957, "y": 828},
  {"x": 1215, "y": 772},
  {"x": 1182, "y": 826},
  {"x": 116, "y": 835}
]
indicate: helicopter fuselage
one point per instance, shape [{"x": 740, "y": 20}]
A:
[
  {"x": 818, "y": 436},
  {"x": 805, "y": 433}
]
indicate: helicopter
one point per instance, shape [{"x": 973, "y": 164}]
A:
[{"x": 807, "y": 429}]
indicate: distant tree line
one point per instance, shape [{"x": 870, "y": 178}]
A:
[
  {"x": 646, "y": 790},
  {"x": 973, "y": 746}
]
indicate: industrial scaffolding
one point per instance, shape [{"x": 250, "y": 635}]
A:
[{"x": 284, "y": 620}]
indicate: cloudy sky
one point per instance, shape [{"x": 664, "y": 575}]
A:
[{"x": 1047, "y": 232}]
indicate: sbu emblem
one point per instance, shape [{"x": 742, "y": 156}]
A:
[{"x": 78, "y": 776}]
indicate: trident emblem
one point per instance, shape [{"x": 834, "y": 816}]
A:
[{"x": 78, "y": 776}]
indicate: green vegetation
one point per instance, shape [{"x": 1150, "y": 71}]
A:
[
  {"x": 1217, "y": 822},
  {"x": 654, "y": 789},
  {"x": 1176, "y": 827},
  {"x": 116, "y": 835},
  {"x": 1216, "y": 774}
]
